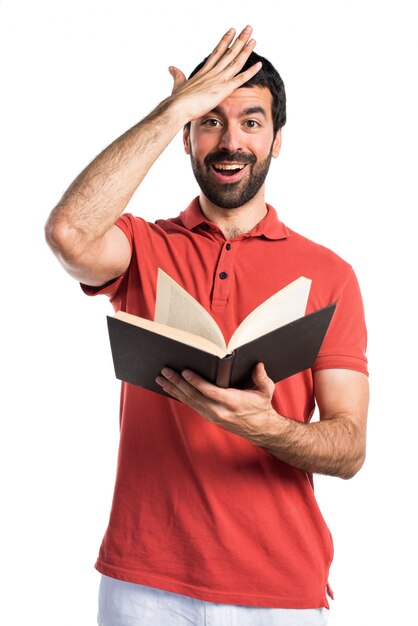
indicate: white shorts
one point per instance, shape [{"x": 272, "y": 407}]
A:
[{"x": 128, "y": 604}]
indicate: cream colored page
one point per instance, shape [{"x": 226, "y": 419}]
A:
[
  {"x": 177, "y": 308},
  {"x": 283, "y": 307},
  {"x": 174, "y": 333}
]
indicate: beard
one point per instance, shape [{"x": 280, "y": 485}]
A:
[{"x": 230, "y": 195}]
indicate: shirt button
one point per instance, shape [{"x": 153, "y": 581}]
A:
[
  {"x": 223, "y": 275},
  {"x": 228, "y": 246}
]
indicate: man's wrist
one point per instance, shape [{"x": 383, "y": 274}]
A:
[
  {"x": 172, "y": 109},
  {"x": 269, "y": 429},
  {"x": 167, "y": 114}
]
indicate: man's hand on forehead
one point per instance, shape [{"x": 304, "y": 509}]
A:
[{"x": 218, "y": 78}]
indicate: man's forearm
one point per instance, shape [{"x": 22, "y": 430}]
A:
[
  {"x": 335, "y": 447},
  {"x": 99, "y": 195}
]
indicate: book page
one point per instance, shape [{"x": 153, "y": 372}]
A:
[
  {"x": 173, "y": 333},
  {"x": 177, "y": 308},
  {"x": 285, "y": 306}
]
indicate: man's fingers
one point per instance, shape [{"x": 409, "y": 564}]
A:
[
  {"x": 237, "y": 54},
  {"x": 212, "y": 392},
  {"x": 261, "y": 380},
  {"x": 191, "y": 389},
  {"x": 219, "y": 50},
  {"x": 243, "y": 77},
  {"x": 226, "y": 55},
  {"x": 177, "y": 386},
  {"x": 218, "y": 78},
  {"x": 178, "y": 77},
  {"x": 238, "y": 45}
]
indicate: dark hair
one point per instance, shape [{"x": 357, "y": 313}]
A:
[{"x": 267, "y": 77}]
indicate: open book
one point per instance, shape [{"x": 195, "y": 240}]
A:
[{"x": 184, "y": 335}]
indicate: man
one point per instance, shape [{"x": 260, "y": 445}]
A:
[{"x": 215, "y": 518}]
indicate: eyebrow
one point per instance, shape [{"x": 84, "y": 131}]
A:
[
  {"x": 256, "y": 109},
  {"x": 249, "y": 111}
]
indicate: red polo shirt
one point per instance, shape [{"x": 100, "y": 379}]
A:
[{"x": 197, "y": 510}]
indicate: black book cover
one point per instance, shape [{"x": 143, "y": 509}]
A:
[{"x": 139, "y": 355}]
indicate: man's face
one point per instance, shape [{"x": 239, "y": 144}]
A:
[{"x": 231, "y": 147}]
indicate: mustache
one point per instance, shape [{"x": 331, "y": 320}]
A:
[{"x": 223, "y": 157}]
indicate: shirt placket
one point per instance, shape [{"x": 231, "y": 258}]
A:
[{"x": 224, "y": 273}]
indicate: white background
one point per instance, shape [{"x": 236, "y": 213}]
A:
[{"x": 75, "y": 75}]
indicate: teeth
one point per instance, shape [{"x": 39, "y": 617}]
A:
[{"x": 229, "y": 166}]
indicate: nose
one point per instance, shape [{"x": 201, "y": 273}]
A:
[{"x": 230, "y": 139}]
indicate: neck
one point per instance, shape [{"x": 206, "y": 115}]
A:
[{"x": 235, "y": 222}]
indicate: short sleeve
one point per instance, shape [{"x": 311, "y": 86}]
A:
[
  {"x": 112, "y": 288},
  {"x": 344, "y": 346}
]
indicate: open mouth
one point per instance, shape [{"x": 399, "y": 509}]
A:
[{"x": 229, "y": 169}]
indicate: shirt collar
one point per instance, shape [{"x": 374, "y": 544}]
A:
[{"x": 269, "y": 227}]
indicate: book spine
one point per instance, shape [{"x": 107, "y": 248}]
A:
[{"x": 223, "y": 375}]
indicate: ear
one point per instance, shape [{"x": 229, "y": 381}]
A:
[
  {"x": 186, "y": 138},
  {"x": 277, "y": 143}
]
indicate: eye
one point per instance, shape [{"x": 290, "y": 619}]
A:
[
  {"x": 211, "y": 122},
  {"x": 252, "y": 124}
]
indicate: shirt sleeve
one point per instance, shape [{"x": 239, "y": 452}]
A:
[
  {"x": 112, "y": 288},
  {"x": 344, "y": 346}
]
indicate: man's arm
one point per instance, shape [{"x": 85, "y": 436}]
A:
[
  {"x": 335, "y": 445},
  {"x": 81, "y": 229}
]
